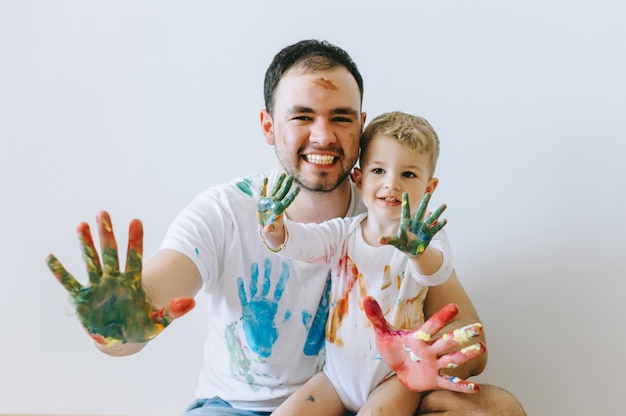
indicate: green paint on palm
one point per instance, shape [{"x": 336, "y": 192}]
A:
[
  {"x": 113, "y": 307},
  {"x": 414, "y": 234}
]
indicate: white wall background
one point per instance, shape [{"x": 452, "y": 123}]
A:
[{"x": 136, "y": 106}]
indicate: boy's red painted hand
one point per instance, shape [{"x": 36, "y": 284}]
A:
[
  {"x": 113, "y": 307},
  {"x": 416, "y": 359}
]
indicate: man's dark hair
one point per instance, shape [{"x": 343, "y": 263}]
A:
[{"x": 311, "y": 55}]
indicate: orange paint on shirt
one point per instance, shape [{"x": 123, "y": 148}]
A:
[
  {"x": 341, "y": 305},
  {"x": 409, "y": 313}
]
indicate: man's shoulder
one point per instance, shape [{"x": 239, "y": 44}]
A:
[
  {"x": 356, "y": 202},
  {"x": 242, "y": 187}
]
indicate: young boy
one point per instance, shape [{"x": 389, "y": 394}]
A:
[{"x": 385, "y": 254}]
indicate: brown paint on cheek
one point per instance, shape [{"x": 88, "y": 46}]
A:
[{"x": 326, "y": 84}]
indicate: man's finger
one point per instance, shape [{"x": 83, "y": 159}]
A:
[
  {"x": 67, "y": 280},
  {"x": 89, "y": 253},
  {"x": 108, "y": 244},
  {"x": 134, "y": 254},
  {"x": 175, "y": 309}
]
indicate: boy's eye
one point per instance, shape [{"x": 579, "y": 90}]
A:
[
  {"x": 409, "y": 175},
  {"x": 378, "y": 171}
]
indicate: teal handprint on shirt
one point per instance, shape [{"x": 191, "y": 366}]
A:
[
  {"x": 245, "y": 186},
  {"x": 259, "y": 309}
]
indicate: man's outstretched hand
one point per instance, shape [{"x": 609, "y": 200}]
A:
[
  {"x": 415, "y": 359},
  {"x": 114, "y": 308}
]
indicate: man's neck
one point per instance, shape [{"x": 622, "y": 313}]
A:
[{"x": 320, "y": 206}]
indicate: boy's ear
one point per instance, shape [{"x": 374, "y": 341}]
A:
[
  {"x": 357, "y": 178},
  {"x": 267, "y": 126},
  {"x": 432, "y": 185}
]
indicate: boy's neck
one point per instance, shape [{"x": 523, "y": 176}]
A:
[{"x": 320, "y": 206}]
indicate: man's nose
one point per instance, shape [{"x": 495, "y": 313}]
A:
[{"x": 322, "y": 133}]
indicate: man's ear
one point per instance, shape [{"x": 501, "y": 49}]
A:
[
  {"x": 432, "y": 185},
  {"x": 357, "y": 178},
  {"x": 267, "y": 126}
]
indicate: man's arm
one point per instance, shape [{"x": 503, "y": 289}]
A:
[
  {"x": 168, "y": 275},
  {"x": 452, "y": 292}
]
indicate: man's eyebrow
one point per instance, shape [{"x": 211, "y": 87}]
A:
[
  {"x": 298, "y": 109},
  {"x": 344, "y": 110}
]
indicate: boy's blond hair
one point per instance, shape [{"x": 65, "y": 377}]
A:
[{"x": 413, "y": 131}]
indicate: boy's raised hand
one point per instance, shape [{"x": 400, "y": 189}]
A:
[
  {"x": 114, "y": 308},
  {"x": 271, "y": 207},
  {"x": 416, "y": 359},
  {"x": 415, "y": 234}
]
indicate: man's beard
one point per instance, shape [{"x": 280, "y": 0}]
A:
[{"x": 323, "y": 183}]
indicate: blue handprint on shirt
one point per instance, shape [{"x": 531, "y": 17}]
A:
[
  {"x": 315, "y": 339},
  {"x": 259, "y": 312}
]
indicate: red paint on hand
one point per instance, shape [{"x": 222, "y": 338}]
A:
[
  {"x": 180, "y": 306},
  {"x": 418, "y": 360}
]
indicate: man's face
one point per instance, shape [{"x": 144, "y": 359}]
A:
[{"x": 315, "y": 127}]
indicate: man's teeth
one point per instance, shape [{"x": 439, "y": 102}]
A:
[{"x": 320, "y": 159}]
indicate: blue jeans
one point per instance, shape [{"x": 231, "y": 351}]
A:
[{"x": 218, "y": 407}]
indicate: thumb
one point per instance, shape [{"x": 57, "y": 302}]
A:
[
  {"x": 175, "y": 309},
  {"x": 375, "y": 315}
]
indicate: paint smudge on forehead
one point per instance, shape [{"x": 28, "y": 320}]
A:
[{"x": 326, "y": 84}]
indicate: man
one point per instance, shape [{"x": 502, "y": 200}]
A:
[{"x": 266, "y": 314}]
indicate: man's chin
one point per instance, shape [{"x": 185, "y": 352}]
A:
[{"x": 322, "y": 184}]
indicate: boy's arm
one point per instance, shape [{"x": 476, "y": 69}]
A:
[{"x": 453, "y": 292}]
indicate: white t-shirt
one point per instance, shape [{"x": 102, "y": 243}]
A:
[
  {"x": 358, "y": 269},
  {"x": 266, "y": 314}
]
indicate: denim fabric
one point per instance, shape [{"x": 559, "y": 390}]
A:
[{"x": 218, "y": 407}]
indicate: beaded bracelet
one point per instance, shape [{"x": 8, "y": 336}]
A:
[{"x": 277, "y": 249}]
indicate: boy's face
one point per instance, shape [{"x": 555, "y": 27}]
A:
[
  {"x": 387, "y": 171},
  {"x": 315, "y": 127}
]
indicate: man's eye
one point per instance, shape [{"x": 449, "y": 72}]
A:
[
  {"x": 342, "y": 120},
  {"x": 301, "y": 118}
]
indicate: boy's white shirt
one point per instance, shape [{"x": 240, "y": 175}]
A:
[{"x": 359, "y": 269}]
